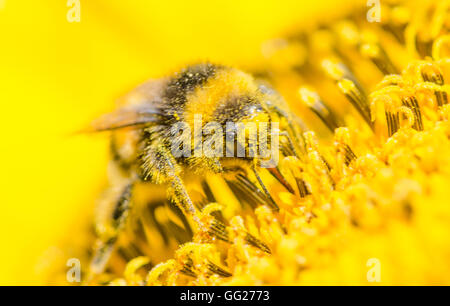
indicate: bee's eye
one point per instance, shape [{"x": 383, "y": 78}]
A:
[{"x": 254, "y": 109}]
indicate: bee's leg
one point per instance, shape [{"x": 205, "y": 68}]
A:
[
  {"x": 160, "y": 166},
  {"x": 117, "y": 156},
  {"x": 111, "y": 221},
  {"x": 102, "y": 253},
  {"x": 181, "y": 197}
]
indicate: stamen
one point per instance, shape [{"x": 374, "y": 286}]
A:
[
  {"x": 131, "y": 269},
  {"x": 188, "y": 268},
  {"x": 411, "y": 102},
  {"x": 406, "y": 117},
  {"x": 357, "y": 98},
  {"x": 215, "y": 269},
  {"x": 250, "y": 239},
  {"x": 317, "y": 159},
  {"x": 392, "y": 122},
  {"x": 246, "y": 184},
  {"x": 219, "y": 230},
  {"x": 441, "y": 47},
  {"x": 157, "y": 271},
  {"x": 396, "y": 22},
  {"x": 302, "y": 187},
  {"x": 379, "y": 57},
  {"x": 275, "y": 172},
  {"x": 342, "y": 136},
  {"x": 431, "y": 73},
  {"x": 313, "y": 101},
  {"x": 294, "y": 164}
]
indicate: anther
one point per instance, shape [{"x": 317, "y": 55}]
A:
[
  {"x": 315, "y": 103},
  {"x": 411, "y": 103},
  {"x": 379, "y": 57},
  {"x": 342, "y": 136},
  {"x": 356, "y": 98}
]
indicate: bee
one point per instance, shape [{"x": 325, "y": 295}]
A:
[{"x": 142, "y": 143}]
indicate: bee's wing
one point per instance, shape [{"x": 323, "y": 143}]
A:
[
  {"x": 141, "y": 106},
  {"x": 125, "y": 117}
]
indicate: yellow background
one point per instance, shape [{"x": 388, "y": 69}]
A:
[{"x": 56, "y": 76}]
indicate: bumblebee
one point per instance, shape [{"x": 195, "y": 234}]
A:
[{"x": 142, "y": 142}]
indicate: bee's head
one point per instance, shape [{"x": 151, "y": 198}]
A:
[
  {"x": 245, "y": 122},
  {"x": 244, "y": 109}
]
